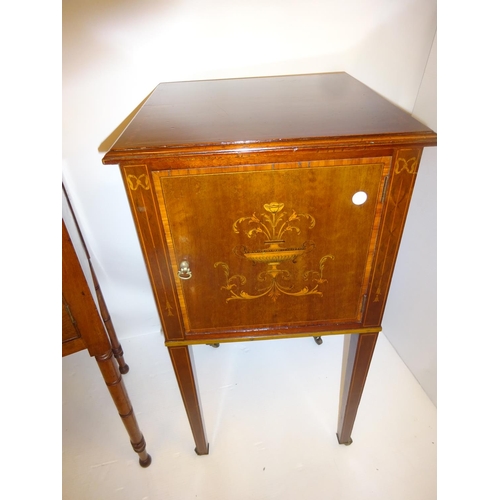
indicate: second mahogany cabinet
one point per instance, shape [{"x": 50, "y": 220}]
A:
[
  {"x": 270, "y": 208},
  {"x": 83, "y": 327}
]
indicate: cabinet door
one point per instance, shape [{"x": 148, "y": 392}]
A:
[{"x": 272, "y": 247}]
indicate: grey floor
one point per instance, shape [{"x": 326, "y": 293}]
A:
[{"x": 270, "y": 412}]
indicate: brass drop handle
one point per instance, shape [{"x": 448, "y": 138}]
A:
[{"x": 184, "y": 272}]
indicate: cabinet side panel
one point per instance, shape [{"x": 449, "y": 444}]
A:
[
  {"x": 403, "y": 174},
  {"x": 139, "y": 192}
]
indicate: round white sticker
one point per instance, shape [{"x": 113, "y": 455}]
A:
[{"x": 359, "y": 198}]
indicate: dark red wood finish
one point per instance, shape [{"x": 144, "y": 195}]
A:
[{"x": 209, "y": 167}]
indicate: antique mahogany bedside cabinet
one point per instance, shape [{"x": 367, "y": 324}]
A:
[
  {"x": 270, "y": 208},
  {"x": 83, "y": 327}
]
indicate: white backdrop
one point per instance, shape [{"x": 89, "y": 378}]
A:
[{"x": 115, "y": 52}]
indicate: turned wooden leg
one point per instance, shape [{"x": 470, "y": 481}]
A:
[
  {"x": 358, "y": 351},
  {"x": 106, "y": 318},
  {"x": 110, "y": 372},
  {"x": 115, "y": 344},
  {"x": 183, "y": 368}
]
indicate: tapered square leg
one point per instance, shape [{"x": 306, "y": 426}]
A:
[
  {"x": 184, "y": 371},
  {"x": 358, "y": 351}
]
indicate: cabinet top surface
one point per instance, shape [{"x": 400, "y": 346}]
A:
[{"x": 261, "y": 110}]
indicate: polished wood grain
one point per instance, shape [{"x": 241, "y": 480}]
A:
[
  {"x": 358, "y": 352},
  {"x": 182, "y": 362},
  {"x": 103, "y": 309},
  {"x": 402, "y": 181},
  {"x": 83, "y": 329},
  {"x": 210, "y": 167},
  {"x": 199, "y": 211},
  {"x": 260, "y": 111}
]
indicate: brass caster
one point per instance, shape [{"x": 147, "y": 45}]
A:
[
  {"x": 214, "y": 345},
  {"x": 318, "y": 340},
  {"x": 346, "y": 444},
  {"x": 201, "y": 454}
]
